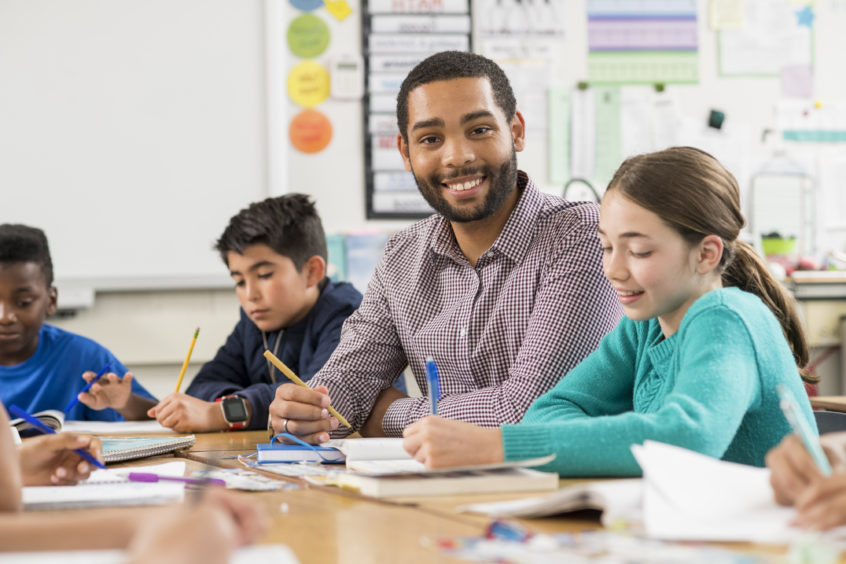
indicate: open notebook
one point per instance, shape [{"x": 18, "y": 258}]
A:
[
  {"x": 53, "y": 418},
  {"x": 119, "y": 449}
]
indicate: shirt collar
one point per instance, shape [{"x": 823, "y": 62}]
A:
[{"x": 516, "y": 235}]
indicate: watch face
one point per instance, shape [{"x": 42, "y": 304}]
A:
[{"x": 234, "y": 410}]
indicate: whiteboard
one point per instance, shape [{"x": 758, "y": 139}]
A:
[{"x": 131, "y": 132}]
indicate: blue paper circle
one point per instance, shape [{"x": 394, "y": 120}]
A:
[{"x": 306, "y": 5}]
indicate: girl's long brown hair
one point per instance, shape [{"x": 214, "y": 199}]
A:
[{"x": 695, "y": 195}]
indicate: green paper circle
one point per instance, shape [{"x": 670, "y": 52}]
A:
[{"x": 308, "y": 36}]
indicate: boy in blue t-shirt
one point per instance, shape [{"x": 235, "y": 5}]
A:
[
  {"x": 275, "y": 251},
  {"x": 44, "y": 367}
]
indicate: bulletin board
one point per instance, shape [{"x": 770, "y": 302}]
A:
[{"x": 396, "y": 35}]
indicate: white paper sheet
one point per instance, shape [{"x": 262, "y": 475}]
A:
[
  {"x": 107, "y": 488},
  {"x": 276, "y": 553},
  {"x": 114, "y": 427}
]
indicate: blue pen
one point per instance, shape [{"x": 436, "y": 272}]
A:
[
  {"x": 791, "y": 412},
  {"x": 433, "y": 383},
  {"x": 18, "y": 412},
  {"x": 87, "y": 387}
]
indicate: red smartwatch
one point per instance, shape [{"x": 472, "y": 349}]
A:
[{"x": 234, "y": 411}]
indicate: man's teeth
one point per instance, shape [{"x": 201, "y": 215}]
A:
[
  {"x": 465, "y": 185},
  {"x": 628, "y": 293}
]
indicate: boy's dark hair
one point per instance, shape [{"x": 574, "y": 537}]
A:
[
  {"x": 287, "y": 224},
  {"x": 22, "y": 243},
  {"x": 447, "y": 65}
]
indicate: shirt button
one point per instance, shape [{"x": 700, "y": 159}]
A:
[{"x": 463, "y": 332}]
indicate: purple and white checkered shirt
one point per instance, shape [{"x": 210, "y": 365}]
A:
[{"x": 502, "y": 333}]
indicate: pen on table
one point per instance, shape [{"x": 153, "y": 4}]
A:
[
  {"x": 187, "y": 360},
  {"x": 32, "y": 420},
  {"x": 150, "y": 477},
  {"x": 433, "y": 383},
  {"x": 87, "y": 387},
  {"x": 296, "y": 380},
  {"x": 791, "y": 412}
]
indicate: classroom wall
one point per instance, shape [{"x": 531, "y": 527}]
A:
[{"x": 247, "y": 150}]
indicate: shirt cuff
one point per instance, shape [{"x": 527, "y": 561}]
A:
[
  {"x": 396, "y": 417},
  {"x": 521, "y": 442}
]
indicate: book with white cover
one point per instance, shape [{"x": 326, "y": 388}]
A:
[{"x": 452, "y": 482}]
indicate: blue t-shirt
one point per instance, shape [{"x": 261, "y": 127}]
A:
[{"x": 52, "y": 377}]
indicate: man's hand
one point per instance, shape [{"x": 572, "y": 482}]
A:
[
  {"x": 441, "y": 443},
  {"x": 302, "y": 412},
  {"x": 51, "y": 460},
  {"x": 184, "y": 413}
]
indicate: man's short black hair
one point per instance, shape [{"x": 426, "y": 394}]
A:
[
  {"x": 447, "y": 65},
  {"x": 22, "y": 243},
  {"x": 287, "y": 224}
]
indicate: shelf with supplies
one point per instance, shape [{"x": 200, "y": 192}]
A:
[{"x": 822, "y": 301}]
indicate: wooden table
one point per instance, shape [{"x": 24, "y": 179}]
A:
[
  {"x": 323, "y": 524},
  {"x": 327, "y": 524}
]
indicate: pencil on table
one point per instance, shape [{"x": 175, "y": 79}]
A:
[
  {"x": 187, "y": 360},
  {"x": 296, "y": 380}
]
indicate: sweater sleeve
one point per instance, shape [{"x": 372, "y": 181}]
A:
[{"x": 717, "y": 382}]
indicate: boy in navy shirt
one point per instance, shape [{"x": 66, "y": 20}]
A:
[
  {"x": 276, "y": 254},
  {"x": 41, "y": 366}
]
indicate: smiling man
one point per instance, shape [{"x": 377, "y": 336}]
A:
[{"x": 503, "y": 287}]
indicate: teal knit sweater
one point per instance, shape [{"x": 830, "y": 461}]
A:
[{"x": 710, "y": 387}]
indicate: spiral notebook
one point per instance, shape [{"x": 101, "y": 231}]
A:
[{"x": 119, "y": 449}]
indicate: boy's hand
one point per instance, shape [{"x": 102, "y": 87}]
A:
[
  {"x": 302, "y": 412},
  {"x": 184, "y": 413},
  {"x": 109, "y": 391},
  {"x": 441, "y": 443},
  {"x": 49, "y": 459}
]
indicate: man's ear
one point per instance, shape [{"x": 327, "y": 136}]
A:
[
  {"x": 518, "y": 131},
  {"x": 315, "y": 270},
  {"x": 402, "y": 146},
  {"x": 53, "y": 296},
  {"x": 710, "y": 253}
]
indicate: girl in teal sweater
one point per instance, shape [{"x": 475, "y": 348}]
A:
[{"x": 708, "y": 335}]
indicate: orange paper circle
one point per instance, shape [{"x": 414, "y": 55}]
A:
[{"x": 310, "y": 131}]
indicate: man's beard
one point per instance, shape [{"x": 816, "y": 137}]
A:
[{"x": 501, "y": 186}]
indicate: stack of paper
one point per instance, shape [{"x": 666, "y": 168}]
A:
[
  {"x": 106, "y": 488},
  {"x": 683, "y": 495}
]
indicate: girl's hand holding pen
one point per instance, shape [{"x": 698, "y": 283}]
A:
[
  {"x": 793, "y": 470},
  {"x": 50, "y": 459}
]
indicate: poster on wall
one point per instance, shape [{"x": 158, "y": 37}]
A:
[{"x": 398, "y": 34}]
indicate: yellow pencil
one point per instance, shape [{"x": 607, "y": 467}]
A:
[
  {"x": 187, "y": 360},
  {"x": 296, "y": 379}
]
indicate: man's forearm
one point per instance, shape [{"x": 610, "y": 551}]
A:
[{"x": 373, "y": 425}]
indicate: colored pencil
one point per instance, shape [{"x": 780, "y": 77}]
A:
[
  {"x": 187, "y": 360},
  {"x": 296, "y": 379}
]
